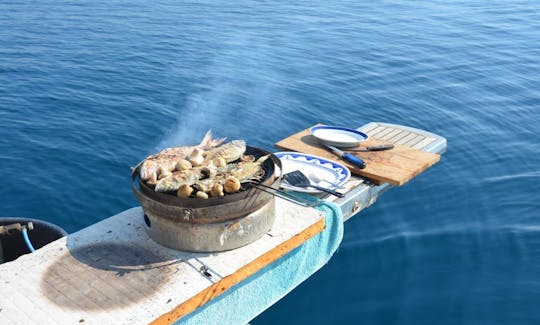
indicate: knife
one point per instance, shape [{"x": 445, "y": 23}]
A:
[
  {"x": 347, "y": 157},
  {"x": 379, "y": 147}
]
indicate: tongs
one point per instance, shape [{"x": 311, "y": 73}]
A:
[{"x": 305, "y": 200}]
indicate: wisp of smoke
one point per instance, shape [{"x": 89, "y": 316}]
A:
[{"x": 239, "y": 95}]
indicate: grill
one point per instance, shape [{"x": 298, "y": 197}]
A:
[{"x": 213, "y": 224}]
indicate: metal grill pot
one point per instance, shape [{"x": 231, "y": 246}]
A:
[{"x": 214, "y": 224}]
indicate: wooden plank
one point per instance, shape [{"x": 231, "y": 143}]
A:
[
  {"x": 412, "y": 143},
  {"x": 424, "y": 142},
  {"x": 406, "y": 138},
  {"x": 251, "y": 268},
  {"x": 373, "y": 132},
  {"x": 393, "y": 133},
  {"x": 396, "y": 166},
  {"x": 370, "y": 128}
]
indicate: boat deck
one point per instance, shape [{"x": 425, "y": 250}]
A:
[{"x": 113, "y": 273}]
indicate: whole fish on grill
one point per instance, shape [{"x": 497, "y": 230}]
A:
[{"x": 164, "y": 162}]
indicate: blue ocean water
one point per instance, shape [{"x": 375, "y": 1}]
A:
[{"x": 89, "y": 88}]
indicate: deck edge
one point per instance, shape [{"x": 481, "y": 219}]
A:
[{"x": 244, "y": 272}]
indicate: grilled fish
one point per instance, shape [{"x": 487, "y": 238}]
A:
[{"x": 166, "y": 160}]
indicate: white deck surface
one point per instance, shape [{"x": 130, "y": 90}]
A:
[{"x": 113, "y": 273}]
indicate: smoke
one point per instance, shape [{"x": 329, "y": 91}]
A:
[
  {"x": 241, "y": 87},
  {"x": 202, "y": 112}
]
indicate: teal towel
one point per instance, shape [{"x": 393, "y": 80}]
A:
[{"x": 249, "y": 298}]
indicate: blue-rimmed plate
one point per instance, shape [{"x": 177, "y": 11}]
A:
[
  {"x": 321, "y": 169},
  {"x": 338, "y": 136}
]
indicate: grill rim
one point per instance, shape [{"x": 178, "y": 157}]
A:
[{"x": 144, "y": 192}]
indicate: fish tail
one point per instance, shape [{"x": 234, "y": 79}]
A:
[
  {"x": 161, "y": 186},
  {"x": 262, "y": 159},
  {"x": 208, "y": 142},
  {"x": 147, "y": 171}
]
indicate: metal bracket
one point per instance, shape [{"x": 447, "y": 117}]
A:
[
  {"x": 15, "y": 228},
  {"x": 188, "y": 213}
]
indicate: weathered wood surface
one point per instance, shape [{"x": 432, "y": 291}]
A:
[
  {"x": 397, "y": 134},
  {"x": 396, "y": 166},
  {"x": 113, "y": 273}
]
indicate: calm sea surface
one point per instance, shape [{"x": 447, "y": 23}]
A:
[{"x": 89, "y": 88}]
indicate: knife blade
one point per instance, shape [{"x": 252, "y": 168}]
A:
[
  {"x": 380, "y": 147},
  {"x": 347, "y": 157}
]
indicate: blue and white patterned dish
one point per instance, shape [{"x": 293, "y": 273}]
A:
[
  {"x": 324, "y": 169},
  {"x": 338, "y": 136}
]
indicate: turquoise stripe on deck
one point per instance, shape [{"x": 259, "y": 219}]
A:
[{"x": 247, "y": 299}]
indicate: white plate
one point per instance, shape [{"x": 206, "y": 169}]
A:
[
  {"x": 338, "y": 136},
  {"x": 323, "y": 168}
]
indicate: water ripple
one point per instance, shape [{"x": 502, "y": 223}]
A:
[{"x": 88, "y": 89}]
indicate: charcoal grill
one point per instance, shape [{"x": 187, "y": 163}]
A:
[{"x": 213, "y": 224}]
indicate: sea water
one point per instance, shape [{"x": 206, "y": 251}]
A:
[{"x": 90, "y": 88}]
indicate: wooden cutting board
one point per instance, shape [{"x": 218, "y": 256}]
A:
[{"x": 396, "y": 166}]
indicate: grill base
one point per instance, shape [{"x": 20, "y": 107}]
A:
[{"x": 211, "y": 237}]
